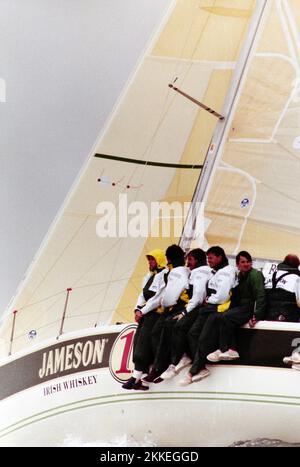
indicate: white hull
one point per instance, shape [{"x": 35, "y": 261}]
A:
[{"x": 234, "y": 403}]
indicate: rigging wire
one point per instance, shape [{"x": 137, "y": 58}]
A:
[
  {"x": 40, "y": 301},
  {"x": 59, "y": 257}
]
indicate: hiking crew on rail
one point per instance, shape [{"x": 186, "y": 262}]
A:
[{"x": 189, "y": 314}]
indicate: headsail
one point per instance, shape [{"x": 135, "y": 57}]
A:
[{"x": 199, "y": 43}]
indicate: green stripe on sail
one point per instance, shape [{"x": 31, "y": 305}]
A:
[{"x": 151, "y": 163}]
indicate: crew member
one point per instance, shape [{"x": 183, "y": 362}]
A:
[
  {"x": 174, "y": 297},
  {"x": 200, "y": 273},
  {"x": 204, "y": 334},
  {"x": 146, "y": 317},
  {"x": 248, "y": 304},
  {"x": 283, "y": 291}
]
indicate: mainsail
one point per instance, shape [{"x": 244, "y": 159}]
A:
[
  {"x": 254, "y": 196},
  {"x": 150, "y": 151}
]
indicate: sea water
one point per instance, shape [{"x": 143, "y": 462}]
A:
[
  {"x": 264, "y": 443},
  {"x": 129, "y": 441},
  {"x": 120, "y": 441}
]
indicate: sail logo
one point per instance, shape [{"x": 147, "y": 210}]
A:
[
  {"x": 154, "y": 219},
  {"x": 74, "y": 356},
  {"x": 120, "y": 361}
]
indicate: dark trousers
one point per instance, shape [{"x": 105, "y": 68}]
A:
[
  {"x": 204, "y": 336},
  {"x": 229, "y": 322},
  {"x": 180, "y": 344},
  {"x": 161, "y": 337},
  {"x": 289, "y": 313},
  {"x": 143, "y": 355}
]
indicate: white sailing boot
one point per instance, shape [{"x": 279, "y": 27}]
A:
[
  {"x": 214, "y": 356},
  {"x": 294, "y": 358},
  {"x": 169, "y": 373},
  {"x": 229, "y": 355},
  {"x": 184, "y": 362},
  {"x": 201, "y": 375},
  {"x": 188, "y": 379}
]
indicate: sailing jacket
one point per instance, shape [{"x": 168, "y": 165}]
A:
[
  {"x": 177, "y": 283},
  {"x": 170, "y": 288},
  {"x": 250, "y": 292},
  {"x": 283, "y": 294},
  {"x": 153, "y": 301},
  {"x": 154, "y": 280},
  {"x": 220, "y": 284},
  {"x": 152, "y": 283},
  {"x": 197, "y": 286}
]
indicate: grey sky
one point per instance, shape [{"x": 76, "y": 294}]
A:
[{"x": 65, "y": 63}]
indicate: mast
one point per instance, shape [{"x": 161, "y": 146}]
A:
[{"x": 222, "y": 128}]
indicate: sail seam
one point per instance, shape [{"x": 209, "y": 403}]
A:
[{"x": 222, "y": 65}]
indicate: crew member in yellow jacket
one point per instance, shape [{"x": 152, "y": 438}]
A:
[{"x": 146, "y": 316}]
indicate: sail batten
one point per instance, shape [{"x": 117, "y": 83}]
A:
[{"x": 143, "y": 162}]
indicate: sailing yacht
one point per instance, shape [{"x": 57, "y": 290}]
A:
[{"x": 66, "y": 339}]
